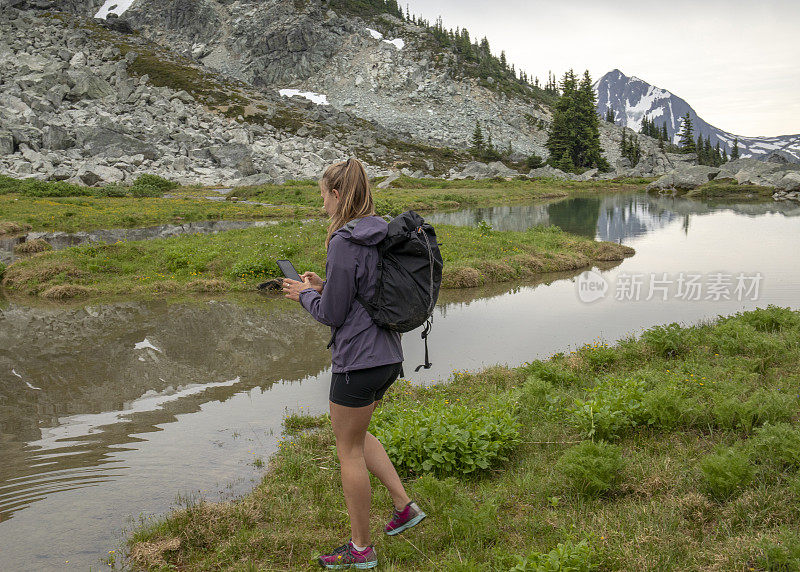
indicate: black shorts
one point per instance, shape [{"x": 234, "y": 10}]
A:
[{"x": 362, "y": 387}]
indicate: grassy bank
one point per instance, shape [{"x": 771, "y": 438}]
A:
[
  {"x": 437, "y": 194},
  {"x": 676, "y": 450},
  {"x": 238, "y": 260},
  {"x": 48, "y": 206}
]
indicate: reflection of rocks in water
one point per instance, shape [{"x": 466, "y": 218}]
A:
[
  {"x": 59, "y": 240},
  {"x": 517, "y": 218},
  {"x": 90, "y": 363}
]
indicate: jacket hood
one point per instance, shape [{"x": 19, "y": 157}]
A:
[{"x": 368, "y": 231}]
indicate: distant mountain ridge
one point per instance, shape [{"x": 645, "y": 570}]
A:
[{"x": 633, "y": 100}]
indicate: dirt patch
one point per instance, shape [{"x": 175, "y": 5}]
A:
[
  {"x": 610, "y": 251},
  {"x": 151, "y": 554},
  {"x": 464, "y": 277},
  {"x": 67, "y": 292},
  {"x": 528, "y": 264},
  {"x": 32, "y": 246},
  {"x": 10, "y": 227},
  {"x": 166, "y": 286}
]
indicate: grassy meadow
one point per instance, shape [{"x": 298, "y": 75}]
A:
[{"x": 678, "y": 449}]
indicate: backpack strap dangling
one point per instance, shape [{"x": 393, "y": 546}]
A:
[{"x": 424, "y": 335}]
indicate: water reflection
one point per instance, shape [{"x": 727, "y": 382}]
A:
[
  {"x": 615, "y": 218},
  {"x": 75, "y": 383}
]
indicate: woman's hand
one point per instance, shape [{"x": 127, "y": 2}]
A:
[
  {"x": 313, "y": 279},
  {"x": 292, "y": 288}
]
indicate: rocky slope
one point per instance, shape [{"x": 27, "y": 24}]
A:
[
  {"x": 633, "y": 100},
  {"x": 197, "y": 94}
]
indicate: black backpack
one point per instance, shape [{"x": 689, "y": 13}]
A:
[{"x": 409, "y": 278}]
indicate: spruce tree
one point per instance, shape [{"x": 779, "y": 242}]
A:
[
  {"x": 664, "y": 132},
  {"x": 610, "y": 115},
  {"x": 724, "y": 155},
  {"x": 700, "y": 150},
  {"x": 478, "y": 145},
  {"x": 686, "y": 135},
  {"x": 563, "y": 129},
  {"x": 589, "y": 153},
  {"x": 735, "y": 150}
]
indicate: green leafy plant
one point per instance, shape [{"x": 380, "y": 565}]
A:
[
  {"x": 591, "y": 469},
  {"x": 777, "y": 445},
  {"x": 669, "y": 341},
  {"x": 298, "y": 422},
  {"x": 444, "y": 439},
  {"x": 726, "y": 472},
  {"x": 782, "y": 554},
  {"x": 2, "y": 269},
  {"x": 485, "y": 228},
  {"x": 613, "y": 406},
  {"x": 566, "y": 557}
]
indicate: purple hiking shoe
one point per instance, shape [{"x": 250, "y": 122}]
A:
[
  {"x": 404, "y": 519},
  {"x": 346, "y": 556}
]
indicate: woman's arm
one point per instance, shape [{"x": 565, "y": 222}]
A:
[{"x": 333, "y": 304}]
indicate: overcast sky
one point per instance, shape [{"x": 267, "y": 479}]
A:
[{"x": 736, "y": 62}]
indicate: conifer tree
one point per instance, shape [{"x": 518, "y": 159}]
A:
[
  {"x": 610, "y": 115},
  {"x": 478, "y": 145},
  {"x": 717, "y": 156},
  {"x": 664, "y": 132},
  {"x": 700, "y": 150},
  {"x": 686, "y": 135},
  {"x": 724, "y": 155},
  {"x": 735, "y": 150}
]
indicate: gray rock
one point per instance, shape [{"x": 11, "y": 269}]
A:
[
  {"x": 789, "y": 182},
  {"x": 389, "y": 180},
  {"x": 686, "y": 177},
  {"x": 6, "y": 143},
  {"x": 57, "y": 138},
  {"x": 89, "y": 86},
  {"x": 235, "y": 156},
  {"x": 105, "y": 142},
  {"x": 92, "y": 174},
  {"x": 498, "y": 169},
  {"x": 254, "y": 180},
  {"x": 548, "y": 172}
]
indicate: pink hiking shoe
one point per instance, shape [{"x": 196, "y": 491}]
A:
[
  {"x": 346, "y": 556},
  {"x": 404, "y": 519}
]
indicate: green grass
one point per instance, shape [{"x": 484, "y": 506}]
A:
[
  {"x": 672, "y": 491},
  {"x": 238, "y": 260}
]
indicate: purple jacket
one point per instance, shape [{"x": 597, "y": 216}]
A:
[{"x": 352, "y": 267}]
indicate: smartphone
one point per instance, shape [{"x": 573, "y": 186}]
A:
[{"x": 288, "y": 270}]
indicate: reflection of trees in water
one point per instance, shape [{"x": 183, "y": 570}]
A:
[
  {"x": 84, "y": 362},
  {"x": 614, "y": 217}
]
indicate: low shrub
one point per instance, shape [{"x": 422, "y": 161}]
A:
[
  {"x": 32, "y": 246},
  {"x": 726, "y": 472},
  {"x": 566, "y": 557},
  {"x": 154, "y": 182},
  {"x": 445, "y": 439},
  {"x": 667, "y": 407},
  {"x": 591, "y": 469},
  {"x": 612, "y": 407},
  {"x": 669, "y": 341},
  {"x": 777, "y": 445}
]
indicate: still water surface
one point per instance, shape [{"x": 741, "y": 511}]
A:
[{"x": 109, "y": 413}]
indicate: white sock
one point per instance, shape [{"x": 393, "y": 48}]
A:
[{"x": 357, "y": 547}]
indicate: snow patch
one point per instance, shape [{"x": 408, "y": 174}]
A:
[
  {"x": 397, "y": 43},
  {"x": 144, "y": 344},
  {"x": 15, "y": 373},
  {"x": 317, "y": 98},
  {"x": 33, "y": 386},
  {"x": 117, "y": 7},
  {"x": 375, "y": 34}
]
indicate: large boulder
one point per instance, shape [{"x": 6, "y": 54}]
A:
[
  {"x": 56, "y": 138},
  {"x": 500, "y": 170},
  {"x": 548, "y": 172},
  {"x": 686, "y": 177},
  {"x": 93, "y": 174},
  {"x": 88, "y": 85},
  {"x": 234, "y": 156},
  {"x": 789, "y": 182},
  {"x": 105, "y": 142}
]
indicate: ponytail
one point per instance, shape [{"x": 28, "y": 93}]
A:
[{"x": 355, "y": 198}]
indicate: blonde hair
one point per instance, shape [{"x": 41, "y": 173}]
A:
[{"x": 355, "y": 198}]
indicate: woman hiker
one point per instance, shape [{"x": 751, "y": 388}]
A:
[{"x": 366, "y": 359}]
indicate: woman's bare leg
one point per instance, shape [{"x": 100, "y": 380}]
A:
[
  {"x": 379, "y": 464},
  {"x": 350, "y": 428}
]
